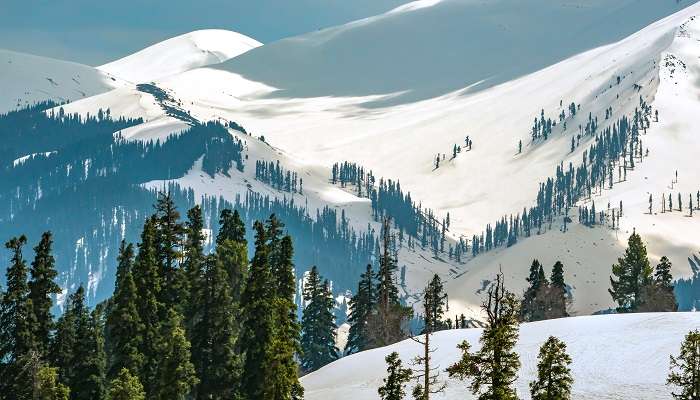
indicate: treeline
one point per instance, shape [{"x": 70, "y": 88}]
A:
[
  {"x": 390, "y": 201},
  {"x": 182, "y": 322},
  {"x": 278, "y": 177}
]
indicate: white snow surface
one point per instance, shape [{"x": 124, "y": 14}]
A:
[
  {"x": 614, "y": 357},
  {"x": 27, "y": 79},
  {"x": 180, "y": 54}
]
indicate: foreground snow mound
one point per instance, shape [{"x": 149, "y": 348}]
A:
[
  {"x": 614, "y": 357},
  {"x": 180, "y": 54},
  {"x": 26, "y": 79}
]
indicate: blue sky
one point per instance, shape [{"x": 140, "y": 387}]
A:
[{"x": 96, "y": 31}]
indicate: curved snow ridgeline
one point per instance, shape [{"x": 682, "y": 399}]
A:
[
  {"x": 180, "y": 54},
  {"x": 622, "y": 356}
]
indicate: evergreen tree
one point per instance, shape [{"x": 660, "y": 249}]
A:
[
  {"x": 361, "y": 307},
  {"x": 42, "y": 287},
  {"x": 658, "y": 295},
  {"x": 533, "y": 305},
  {"x": 193, "y": 264},
  {"x": 125, "y": 387},
  {"x": 557, "y": 300},
  {"x": 232, "y": 251},
  {"x": 176, "y": 374},
  {"x": 685, "y": 369},
  {"x": 123, "y": 327},
  {"x": 47, "y": 386},
  {"x": 387, "y": 322},
  {"x": 168, "y": 239},
  {"x": 213, "y": 335},
  {"x": 553, "y": 373},
  {"x": 493, "y": 369},
  {"x": 258, "y": 323},
  {"x": 17, "y": 324},
  {"x": 396, "y": 380},
  {"x": 149, "y": 281},
  {"x": 317, "y": 323},
  {"x": 435, "y": 305},
  {"x": 633, "y": 272},
  {"x": 86, "y": 379},
  {"x": 231, "y": 227}
]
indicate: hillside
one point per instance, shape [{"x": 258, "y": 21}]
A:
[{"x": 614, "y": 357}]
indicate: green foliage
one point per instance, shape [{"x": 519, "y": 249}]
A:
[
  {"x": 317, "y": 323},
  {"x": 633, "y": 272},
  {"x": 42, "y": 287},
  {"x": 685, "y": 369},
  {"x": 435, "y": 304},
  {"x": 125, "y": 387},
  {"x": 554, "y": 378},
  {"x": 176, "y": 374},
  {"x": 396, "y": 380},
  {"x": 47, "y": 386},
  {"x": 361, "y": 306},
  {"x": 493, "y": 369},
  {"x": 123, "y": 328},
  {"x": 169, "y": 235}
]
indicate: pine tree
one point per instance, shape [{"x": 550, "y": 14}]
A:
[
  {"x": 533, "y": 306},
  {"x": 17, "y": 324},
  {"x": 86, "y": 379},
  {"x": 42, "y": 287},
  {"x": 47, "y": 386},
  {"x": 435, "y": 304},
  {"x": 361, "y": 307},
  {"x": 123, "y": 328},
  {"x": 557, "y": 300},
  {"x": 176, "y": 374},
  {"x": 493, "y": 369},
  {"x": 232, "y": 251},
  {"x": 396, "y": 380},
  {"x": 317, "y": 323},
  {"x": 658, "y": 295},
  {"x": 553, "y": 373},
  {"x": 193, "y": 264},
  {"x": 387, "y": 322},
  {"x": 633, "y": 272},
  {"x": 685, "y": 369},
  {"x": 231, "y": 227},
  {"x": 168, "y": 238},
  {"x": 213, "y": 335},
  {"x": 258, "y": 323},
  {"x": 149, "y": 281},
  {"x": 125, "y": 386}
]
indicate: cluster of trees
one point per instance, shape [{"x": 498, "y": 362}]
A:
[
  {"x": 377, "y": 315},
  {"x": 638, "y": 287},
  {"x": 182, "y": 323},
  {"x": 390, "y": 201},
  {"x": 668, "y": 206},
  {"x": 493, "y": 369},
  {"x": 272, "y": 174},
  {"x": 545, "y": 299}
]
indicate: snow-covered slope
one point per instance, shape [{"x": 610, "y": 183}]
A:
[
  {"x": 26, "y": 79},
  {"x": 180, "y": 54},
  {"x": 614, "y": 357}
]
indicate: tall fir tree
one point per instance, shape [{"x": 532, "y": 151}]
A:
[
  {"x": 149, "y": 281},
  {"x": 435, "y": 305},
  {"x": 554, "y": 378},
  {"x": 193, "y": 264},
  {"x": 258, "y": 320},
  {"x": 231, "y": 227},
  {"x": 658, "y": 295},
  {"x": 232, "y": 251},
  {"x": 633, "y": 272},
  {"x": 17, "y": 325},
  {"x": 317, "y": 323},
  {"x": 533, "y": 306},
  {"x": 47, "y": 386},
  {"x": 557, "y": 297},
  {"x": 123, "y": 327},
  {"x": 42, "y": 288},
  {"x": 387, "y": 323},
  {"x": 493, "y": 369},
  {"x": 213, "y": 335},
  {"x": 685, "y": 369},
  {"x": 394, "y": 387},
  {"x": 176, "y": 374},
  {"x": 169, "y": 237},
  {"x": 361, "y": 305}
]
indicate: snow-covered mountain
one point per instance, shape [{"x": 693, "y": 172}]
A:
[
  {"x": 394, "y": 91},
  {"x": 613, "y": 357},
  {"x": 180, "y": 54},
  {"x": 26, "y": 79}
]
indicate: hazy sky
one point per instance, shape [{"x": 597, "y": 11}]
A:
[{"x": 96, "y": 31}]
